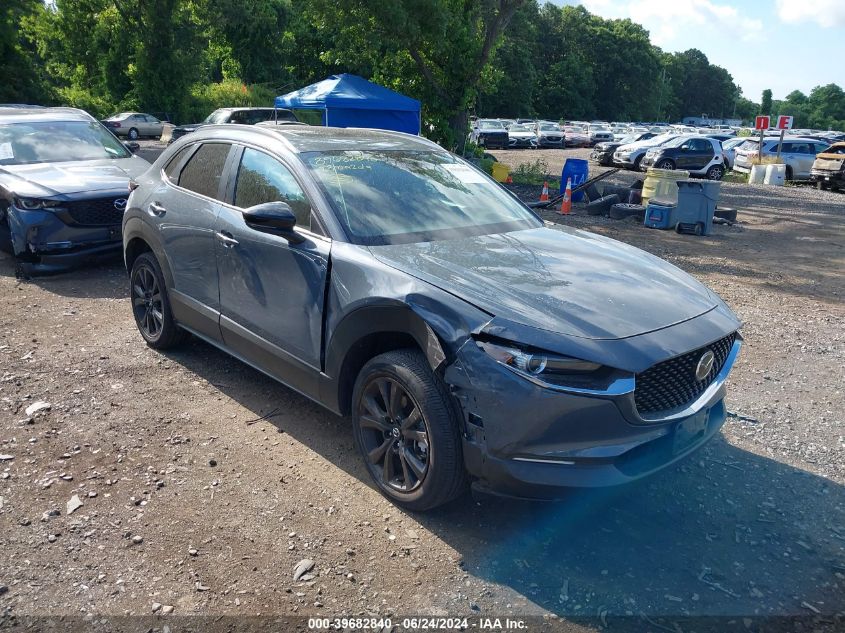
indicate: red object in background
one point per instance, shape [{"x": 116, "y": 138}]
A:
[
  {"x": 784, "y": 123},
  {"x": 762, "y": 123}
]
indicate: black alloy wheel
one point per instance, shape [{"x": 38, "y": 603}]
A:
[
  {"x": 407, "y": 429},
  {"x": 147, "y": 302},
  {"x": 394, "y": 435},
  {"x": 151, "y": 305}
]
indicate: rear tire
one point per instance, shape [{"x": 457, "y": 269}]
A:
[
  {"x": 151, "y": 304},
  {"x": 407, "y": 431},
  {"x": 716, "y": 172},
  {"x": 133, "y": 134}
]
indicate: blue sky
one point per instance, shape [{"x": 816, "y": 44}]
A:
[{"x": 778, "y": 44}]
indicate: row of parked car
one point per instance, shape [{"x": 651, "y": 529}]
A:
[
  {"x": 713, "y": 156},
  {"x": 528, "y": 133},
  {"x": 135, "y": 125}
]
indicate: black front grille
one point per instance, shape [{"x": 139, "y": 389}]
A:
[
  {"x": 96, "y": 212},
  {"x": 672, "y": 383}
]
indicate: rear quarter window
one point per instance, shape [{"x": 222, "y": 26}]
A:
[
  {"x": 172, "y": 170},
  {"x": 205, "y": 168}
]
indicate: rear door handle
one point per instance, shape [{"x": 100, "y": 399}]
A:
[
  {"x": 157, "y": 209},
  {"x": 227, "y": 239}
]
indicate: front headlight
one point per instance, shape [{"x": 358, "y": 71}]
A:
[
  {"x": 537, "y": 363},
  {"x": 34, "y": 204}
]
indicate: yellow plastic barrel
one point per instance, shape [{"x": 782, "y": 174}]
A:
[
  {"x": 501, "y": 172},
  {"x": 662, "y": 183}
]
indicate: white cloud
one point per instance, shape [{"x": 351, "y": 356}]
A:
[
  {"x": 826, "y": 13},
  {"x": 668, "y": 19}
]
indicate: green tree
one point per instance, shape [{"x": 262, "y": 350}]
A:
[
  {"x": 20, "y": 77},
  {"x": 766, "y": 102},
  {"x": 449, "y": 44}
]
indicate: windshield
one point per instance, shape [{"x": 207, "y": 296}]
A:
[
  {"x": 218, "y": 116},
  {"x": 676, "y": 142},
  {"x": 491, "y": 124},
  {"x": 599, "y": 128},
  {"x": 400, "y": 197},
  {"x": 549, "y": 127},
  {"x": 518, "y": 128},
  {"x": 57, "y": 141}
]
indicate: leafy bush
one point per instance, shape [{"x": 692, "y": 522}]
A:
[
  {"x": 229, "y": 93},
  {"x": 77, "y": 97},
  {"x": 534, "y": 173}
]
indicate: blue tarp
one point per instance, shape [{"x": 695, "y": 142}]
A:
[{"x": 351, "y": 101}]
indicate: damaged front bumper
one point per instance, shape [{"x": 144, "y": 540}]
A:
[
  {"x": 529, "y": 439},
  {"x": 47, "y": 241}
]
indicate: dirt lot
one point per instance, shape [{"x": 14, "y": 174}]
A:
[{"x": 192, "y": 501}]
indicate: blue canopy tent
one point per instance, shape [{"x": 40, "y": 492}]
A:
[{"x": 351, "y": 101}]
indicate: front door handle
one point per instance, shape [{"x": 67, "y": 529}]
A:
[
  {"x": 157, "y": 209},
  {"x": 226, "y": 238}
]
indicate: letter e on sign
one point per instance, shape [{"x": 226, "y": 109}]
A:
[
  {"x": 761, "y": 123},
  {"x": 784, "y": 122}
]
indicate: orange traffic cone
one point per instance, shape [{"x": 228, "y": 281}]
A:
[
  {"x": 544, "y": 196},
  {"x": 566, "y": 203}
]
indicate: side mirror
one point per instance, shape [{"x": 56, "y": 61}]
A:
[
  {"x": 273, "y": 217},
  {"x": 132, "y": 146}
]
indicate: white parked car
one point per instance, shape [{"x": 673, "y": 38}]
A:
[{"x": 798, "y": 154}]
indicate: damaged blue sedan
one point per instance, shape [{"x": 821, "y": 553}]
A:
[
  {"x": 64, "y": 183},
  {"x": 396, "y": 284}
]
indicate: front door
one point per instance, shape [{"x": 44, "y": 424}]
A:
[{"x": 271, "y": 291}]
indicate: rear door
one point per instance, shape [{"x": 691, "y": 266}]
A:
[
  {"x": 186, "y": 213},
  {"x": 271, "y": 290}
]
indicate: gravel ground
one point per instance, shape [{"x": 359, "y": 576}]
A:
[{"x": 203, "y": 483}]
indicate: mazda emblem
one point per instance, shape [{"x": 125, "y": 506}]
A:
[
  {"x": 120, "y": 204},
  {"x": 705, "y": 364}
]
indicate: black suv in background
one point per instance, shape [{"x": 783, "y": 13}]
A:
[
  {"x": 699, "y": 155},
  {"x": 244, "y": 116}
]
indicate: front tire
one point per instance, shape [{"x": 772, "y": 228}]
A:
[
  {"x": 665, "y": 164},
  {"x": 406, "y": 429},
  {"x": 151, "y": 305}
]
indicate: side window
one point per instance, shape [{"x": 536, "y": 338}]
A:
[
  {"x": 785, "y": 148},
  {"x": 262, "y": 178},
  {"x": 172, "y": 169},
  {"x": 820, "y": 147},
  {"x": 203, "y": 171}
]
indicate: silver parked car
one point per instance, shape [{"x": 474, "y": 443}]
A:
[
  {"x": 134, "y": 125},
  {"x": 797, "y": 153}
]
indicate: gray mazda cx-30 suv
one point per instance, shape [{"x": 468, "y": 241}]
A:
[{"x": 390, "y": 281}]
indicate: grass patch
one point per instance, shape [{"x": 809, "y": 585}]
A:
[{"x": 735, "y": 176}]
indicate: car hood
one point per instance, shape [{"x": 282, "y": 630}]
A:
[
  {"x": 607, "y": 146},
  {"x": 521, "y": 134},
  {"x": 52, "y": 179},
  {"x": 561, "y": 280}
]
